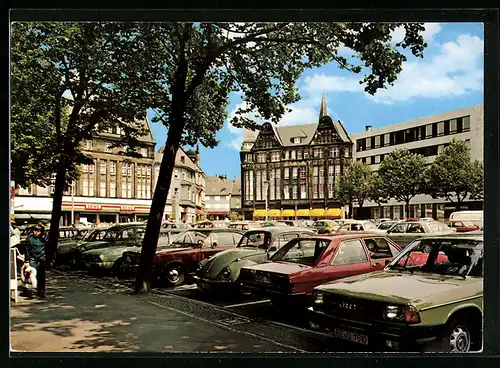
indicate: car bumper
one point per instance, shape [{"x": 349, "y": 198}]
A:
[
  {"x": 379, "y": 335},
  {"x": 214, "y": 285},
  {"x": 281, "y": 295}
]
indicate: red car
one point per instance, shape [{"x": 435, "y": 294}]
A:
[
  {"x": 462, "y": 226},
  {"x": 306, "y": 262},
  {"x": 173, "y": 263}
]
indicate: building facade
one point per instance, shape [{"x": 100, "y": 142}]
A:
[
  {"x": 186, "y": 196},
  {"x": 427, "y": 136},
  {"x": 223, "y": 196},
  {"x": 294, "y": 168},
  {"x": 117, "y": 188}
]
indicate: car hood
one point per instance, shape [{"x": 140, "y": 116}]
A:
[
  {"x": 217, "y": 262},
  {"x": 421, "y": 290},
  {"x": 279, "y": 267},
  {"x": 113, "y": 252}
]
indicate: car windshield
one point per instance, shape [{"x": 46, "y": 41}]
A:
[
  {"x": 190, "y": 237},
  {"x": 111, "y": 235},
  {"x": 370, "y": 225},
  {"x": 438, "y": 227},
  {"x": 81, "y": 234},
  {"x": 385, "y": 225},
  {"x": 319, "y": 224},
  {"x": 255, "y": 240},
  {"x": 454, "y": 257},
  {"x": 303, "y": 251}
]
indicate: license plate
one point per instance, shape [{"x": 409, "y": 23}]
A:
[
  {"x": 351, "y": 336},
  {"x": 263, "y": 278}
]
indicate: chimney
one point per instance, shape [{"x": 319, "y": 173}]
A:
[{"x": 368, "y": 128}]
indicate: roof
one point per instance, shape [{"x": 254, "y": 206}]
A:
[
  {"x": 180, "y": 153},
  {"x": 214, "y": 185}
]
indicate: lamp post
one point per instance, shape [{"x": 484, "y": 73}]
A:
[
  {"x": 266, "y": 186},
  {"x": 73, "y": 203}
]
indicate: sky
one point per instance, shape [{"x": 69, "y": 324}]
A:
[{"x": 448, "y": 77}]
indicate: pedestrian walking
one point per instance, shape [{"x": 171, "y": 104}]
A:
[{"x": 35, "y": 256}]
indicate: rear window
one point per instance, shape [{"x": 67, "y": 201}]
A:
[{"x": 437, "y": 227}]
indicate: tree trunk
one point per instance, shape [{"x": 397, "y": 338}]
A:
[
  {"x": 360, "y": 211},
  {"x": 407, "y": 208},
  {"x": 351, "y": 208},
  {"x": 153, "y": 227},
  {"x": 51, "y": 249}
]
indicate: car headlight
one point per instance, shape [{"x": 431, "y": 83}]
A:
[
  {"x": 405, "y": 313},
  {"x": 226, "y": 272},
  {"x": 318, "y": 297}
]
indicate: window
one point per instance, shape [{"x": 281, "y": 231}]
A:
[
  {"x": 318, "y": 153},
  {"x": 119, "y": 130},
  {"x": 85, "y": 187},
  {"x": 377, "y": 159},
  {"x": 293, "y": 153},
  {"x": 379, "y": 248},
  {"x": 440, "y": 128},
  {"x": 466, "y": 123},
  {"x": 287, "y": 155},
  {"x": 129, "y": 190},
  {"x": 302, "y": 172},
  {"x": 377, "y": 141},
  {"x": 85, "y": 168},
  {"x": 275, "y": 156},
  {"x": 387, "y": 139},
  {"x": 337, "y": 170},
  {"x": 124, "y": 189},
  {"x": 139, "y": 192},
  {"x": 286, "y": 192},
  {"x": 368, "y": 143},
  {"x": 112, "y": 168},
  {"x": 397, "y": 229},
  {"x": 321, "y": 175},
  {"x": 428, "y": 131},
  {"x": 102, "y": 166},
  {"x": 102, "y": 189},
  {"x": 129, "y": 170},
  {"x": 294, "y": 192},
  {"x": 295, "y": 172},
  {"x": 350, "y": 251},
  {"x": 453, "y": 126},
  {"x": 89, "y": 144},
  {"x": 299, "y": 155},
  {"x": 208, "y": 198},
  {"x": 91, "y": 168},
  {"x": 287, "y": 172},
  {"x": 303, "y": 192},
  {"x": 148, "y": 191},
  {"x": 347, "y": 152},
  {"x": 182, "y": 159},
  {"x": 112, "y": 189},
  {"x": 334, "y": 152},
  {"x": 415, "y": 228},
  {"x": 144, "y": 152},
  {"x": 107, "y": 147},
  {"x": 91, "y": 188},
  {"x": 217, "y": 198},
  {"x": 297, "y": 140},
  {"x": 124, "y": 169}
]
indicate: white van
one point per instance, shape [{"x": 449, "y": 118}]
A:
[{"x": 476, "y": 217}]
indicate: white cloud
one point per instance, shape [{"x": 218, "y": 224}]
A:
[
  {"x": 331, "y": 83},
  {"x": 431, "y": 29}
]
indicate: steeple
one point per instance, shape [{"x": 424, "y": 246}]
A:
[{"x": 322, "y": 109}]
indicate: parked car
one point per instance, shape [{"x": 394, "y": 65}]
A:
[
  {"x": 173, "y": 264},
  {"x": 244, "y": 225},
  {"x": 175, "y": 227},
  {"x": 290, "y": 275},
  {"x": 211, "y": 224},
  {"x": 67, "y": 245},
  {"x": 102, "y": 239},
  {"x": 325, "y": 226},
  {"x": 386, "y": 225},
  {"x": 221, "y": 272},
  {"x": 462, "y": 226},
  {"x": 356, "y": 226},
  {"x": 273, "y": 223},
  {"x": 476, "y": 217},
  {"x": 429, "y": 297},
  {"x": 405, "y": 232}
]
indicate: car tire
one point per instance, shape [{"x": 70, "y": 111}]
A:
[
  {"x": 460, "y": 337},
  {"x": 115, "y": 270},
  {"x": 174, "y": 274}
]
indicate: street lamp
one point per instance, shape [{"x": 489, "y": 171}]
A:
[{"x": 266, "y": 186}]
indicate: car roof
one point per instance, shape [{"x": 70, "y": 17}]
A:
[
  {"x": 279, "y": 229},
  {"x": 348, "y": 235},
  {"x": 123, "y": 226},
  {"x": 216, "y": 230},
  {"x": 474, "y": 235}
]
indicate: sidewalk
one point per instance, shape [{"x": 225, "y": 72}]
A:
[{"x": 77, "y": 316}]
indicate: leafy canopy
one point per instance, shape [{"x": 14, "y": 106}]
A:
[
  {"x": 402, "y": 174},
  {"x": 354, "y": 185},
  {"x": 377, "y": 192},
  {"x": 454, "y": 176}
]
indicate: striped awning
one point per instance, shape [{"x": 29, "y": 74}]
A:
[
  {"x": 274, "y": 213},
  {"x": 318, "y": 212},
  {"x": 288, "y": 213},
  {"x": 302, "y": 212},
  {"x": 259, "y": 213},
  {"x": 334, "y": 212}
]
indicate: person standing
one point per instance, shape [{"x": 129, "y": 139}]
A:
[{"x": 35, "y": 255}]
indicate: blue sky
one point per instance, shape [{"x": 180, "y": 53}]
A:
[{"x": 449, "y": 77}]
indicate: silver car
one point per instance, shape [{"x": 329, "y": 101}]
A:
[{"x": 405, "y": 232}]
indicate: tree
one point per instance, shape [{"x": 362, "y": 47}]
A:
[
  {"x": 454, "y": 176},
  {"x": 353, "y": 186},
  {"x": 71, "y": 81},
  {"x": 377, "y": 191},
  {"x": 200, "y": 64},
  {"x": 403, "y": 175}
]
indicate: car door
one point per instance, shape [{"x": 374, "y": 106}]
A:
[
  {"x": 397, "y": 233},
  {"x": 380, "y": 252},
  {"x": 350, "y": 259}
]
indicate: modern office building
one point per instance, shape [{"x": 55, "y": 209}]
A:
[
  {"x": 295, "y": 168},
  {"x": 427, "y": 136}
]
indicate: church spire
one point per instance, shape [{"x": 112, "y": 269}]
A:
[{"x": 322, "y": 109}]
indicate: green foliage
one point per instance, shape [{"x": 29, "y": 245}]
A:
[
  {"x": 377, "y": 192},
  {"x": 354, "y": 185},
  {"x": 402, "y": 175},
  {"x": 454, "y": 176}
]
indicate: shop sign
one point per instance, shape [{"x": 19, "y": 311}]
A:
[
  {"x": 127, "y": 208},
  {"x": 93, "y": 207}
]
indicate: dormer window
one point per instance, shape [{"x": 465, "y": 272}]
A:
[
  {"x": 182, "y": 159},
  {"x": 296, "y": 140}
]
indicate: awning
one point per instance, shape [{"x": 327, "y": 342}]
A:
[
  {"x": 288, "y": 213},
  {"x": 318, "y": 212},
  {"x": 274, "y": 213},
  {"x": 303, "y": 213},
  {"x": 334, "y": 212},
  {"x": 259, "y": 213}
]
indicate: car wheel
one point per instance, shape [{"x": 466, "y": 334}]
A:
[
  {"x": 117, "y": 267},
  {"x": 174, "y": 274},
  {"x": 458, "y": 337}
]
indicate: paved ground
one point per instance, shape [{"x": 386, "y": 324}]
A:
[{"x": 79, "y": 316}]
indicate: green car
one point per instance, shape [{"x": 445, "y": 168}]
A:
[
  {"x": 221, "y": 271},
  {"x": 110, "y": 257},
  {"x": 430, "y": 297}
]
